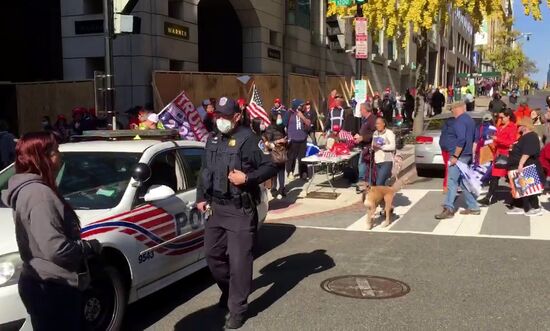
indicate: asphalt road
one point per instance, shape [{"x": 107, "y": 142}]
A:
[
  {"x": 489, "y": 273},
  {"x": 457, "y": 282}
]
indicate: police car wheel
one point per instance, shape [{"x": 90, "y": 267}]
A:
[{"x": 105, "y": 301}]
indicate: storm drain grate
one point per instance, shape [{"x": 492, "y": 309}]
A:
[{"x": 365, "y": 287}]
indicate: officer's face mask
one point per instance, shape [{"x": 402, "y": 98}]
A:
[{"x": 224, "y": 125}]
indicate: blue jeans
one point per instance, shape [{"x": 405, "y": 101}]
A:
[
  {"x": 454, "y": 180},
  {"x": 383, "y": 172},
  {"x": 362, "y": 168}
]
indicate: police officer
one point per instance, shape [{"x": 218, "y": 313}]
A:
[{"x": 232, "y": 169}]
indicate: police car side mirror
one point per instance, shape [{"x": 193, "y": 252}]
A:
[
  {"x": 141, "y": 172},
  {"x": 158, "y": 192}
]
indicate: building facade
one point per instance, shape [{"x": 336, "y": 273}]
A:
[
  {"x": 241, "y": 36},
  {"x": 238, "y": 36}
]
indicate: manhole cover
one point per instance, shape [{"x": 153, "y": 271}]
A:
[{"x": 365, "y": 287}]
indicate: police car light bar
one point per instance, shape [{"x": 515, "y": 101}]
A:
[{"x": 127, "y": 135}]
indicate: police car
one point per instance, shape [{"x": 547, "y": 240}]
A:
[{"x": 137, "y": 197}]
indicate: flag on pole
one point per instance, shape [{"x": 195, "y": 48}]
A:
[
  {"x": 181, "y": 114},
  {"x": 255, "y": 107}
]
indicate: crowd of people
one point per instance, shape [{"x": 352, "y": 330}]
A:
[{"x": 507, "y": 140}]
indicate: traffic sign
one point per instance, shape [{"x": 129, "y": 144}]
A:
[{"x": 361, "y": 38}]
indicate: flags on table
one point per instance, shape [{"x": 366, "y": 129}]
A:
[
  {"x": 525, "y": 184},
  {"x": 255, "y": 108},
  {"x": 181, "y": 114}
]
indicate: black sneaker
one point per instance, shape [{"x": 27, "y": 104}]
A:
[
  {"x": 273, "y": 192},
  {"x": 234, "y": 322},
  {"x": 484, "y": 202}
]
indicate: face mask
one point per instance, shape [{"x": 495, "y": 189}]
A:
[
  {"x": 44, "y": 123},
  {"x": 262, "y": 127},
  {"x": 279, "y": 121},
  {"x": 224, "y": 125}
]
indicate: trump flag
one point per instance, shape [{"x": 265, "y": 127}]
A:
[{"x": 180, "y": 114}]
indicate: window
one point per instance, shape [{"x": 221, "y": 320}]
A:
[
  {"x": 192, "y": 163},
  {"x": 175, "y": 9},
  {"x": 95, "y": 180},
  {"x": 176, "y": 65},
  {"x": 273, "y": 37},
  {"x": 391, "y": 50},
  {"x": 299, "y": 13},
  {"x": 92, "y": 7},
  {"x": 165, "y": 170},
  {"x": 376, "y": 43},
  {"x": 94, "y": 64}
]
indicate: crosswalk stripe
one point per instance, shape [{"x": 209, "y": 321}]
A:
[
  {"x": 470, "y": 225},
  {"x": 540, "y": 226},
  {"x": 412, "y": 195},
  {"x": 491, "y": 223}
]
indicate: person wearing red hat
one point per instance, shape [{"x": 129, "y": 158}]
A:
[
  {"x": 336, "y": 114},
  {"x": 277, "y": 106},
  {"x": 376, "y": 103},
  {"x": 242, "y": 104}
]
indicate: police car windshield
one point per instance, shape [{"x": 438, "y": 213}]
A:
[
  {"x": 90, "y": 180},
  {"x": 95, "y": 180}
]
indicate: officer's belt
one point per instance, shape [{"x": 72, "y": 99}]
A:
[{"x": 238, "y": 202}]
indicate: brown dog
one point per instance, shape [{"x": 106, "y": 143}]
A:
[{"x": 373, "y": 197}]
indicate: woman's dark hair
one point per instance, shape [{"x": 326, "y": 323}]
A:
[
  {"x": 383, "y": 120},
  {"x": 33, "y": 152},
  {"x": 508, "y": 112}
]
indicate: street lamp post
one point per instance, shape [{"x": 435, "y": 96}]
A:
[{"x": 109, "y": 93}]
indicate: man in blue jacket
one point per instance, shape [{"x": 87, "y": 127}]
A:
[{"x": 464, "y": 137}]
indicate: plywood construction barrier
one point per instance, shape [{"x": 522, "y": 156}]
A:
[
  {"x": 199, "y": 86},
  {"x": 306, "y": 88},
  {"x": 38, "y": 99}
]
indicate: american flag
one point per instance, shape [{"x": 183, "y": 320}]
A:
[
  {"x": 525, "y": 184},
  {"x": 255, "y": 108}
]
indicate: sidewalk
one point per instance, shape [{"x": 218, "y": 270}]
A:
[{"x": 295, "y": 204}]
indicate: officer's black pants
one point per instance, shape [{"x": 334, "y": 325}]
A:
[
  {"x": 228, "y": 242},
  {"x": 52, "y": 306},
  {"x": 296, "y": 151}
]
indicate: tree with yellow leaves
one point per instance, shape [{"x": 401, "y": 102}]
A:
[{"x": 398, "y": 18}]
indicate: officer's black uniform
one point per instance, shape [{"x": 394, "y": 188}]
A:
[{"x": 230, "y": 230}]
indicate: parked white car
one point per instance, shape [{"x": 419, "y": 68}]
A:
[
  {"x": 428, "y": 156},
  {"x": 137, "y": 198}
]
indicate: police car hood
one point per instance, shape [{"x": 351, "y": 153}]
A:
[{"x": 8, "y": 244}]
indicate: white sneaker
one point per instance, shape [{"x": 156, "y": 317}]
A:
[
  {"x": 290, "y": 176},
  {"x": 515, "y": 211},
  {"x": 534, "y": 212}
]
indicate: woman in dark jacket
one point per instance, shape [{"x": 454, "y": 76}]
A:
[
  {"x": 523, "y": 154},
  {"x": 275, "y": 138},
  {"x": 48, "y": 237}
]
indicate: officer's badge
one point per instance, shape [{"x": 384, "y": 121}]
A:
[{"x": 232, "y": 142}]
